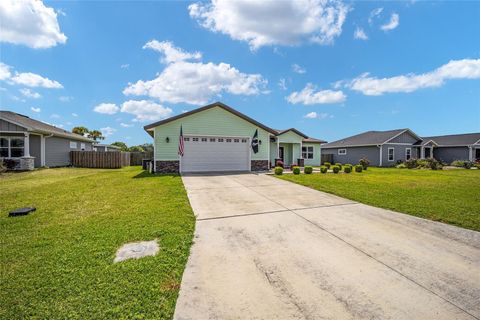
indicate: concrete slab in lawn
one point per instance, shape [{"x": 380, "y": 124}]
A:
[
  {"x": 136, "y": 250},
  {"x": 276, "y": 250}
]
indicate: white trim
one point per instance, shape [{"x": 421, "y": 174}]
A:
[
  {"x": 388, "y": 154},
  {"x": 410, "y": 149},
  {"x": 13, "y": 132},
  {"x": 9, "y": 147},
  {"x": 351, "y": 146},
  {"x": 470, "y": 154},
  {"x": 26, "y": 145},
  {"x": 424, "y": 144},
  {"x": 400, "y": 144},
  {"x": 381, "y": 154},
  {"x": 154, "y": 154},
  {"x": 342, "y": 154},
  {"x": 313, "y": 152},
  {"x": 214, "y": 136},
  {"x": 42, "y": 150}
]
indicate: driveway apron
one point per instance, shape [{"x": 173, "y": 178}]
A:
[{"x": 270, "y": 249}]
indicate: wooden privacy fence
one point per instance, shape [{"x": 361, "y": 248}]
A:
[
  {"x": 137, "y": 157},
  {"x": 96, "y": 159}
]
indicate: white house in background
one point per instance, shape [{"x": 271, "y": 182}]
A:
[{"x": 105, "y": 148}]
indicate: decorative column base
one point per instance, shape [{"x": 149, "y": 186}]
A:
[
  {"x": 19, "y": 164},
  {"x": 259, "y": 165}
]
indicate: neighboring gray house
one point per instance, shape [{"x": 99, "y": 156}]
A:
[
  {"x": 386, "y": 148},
  {"x": 30, "y": 143},
  {"x": 106, "y": 148}
]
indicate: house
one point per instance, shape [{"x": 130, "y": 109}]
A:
[
  {"x": 386, "y": 148},
  {"x": 219, "y": 138},
  {"x": 27, "y": 143},
  {"x": 105, "y": 148}
]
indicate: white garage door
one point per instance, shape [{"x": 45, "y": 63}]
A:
[{"x": 215, "y": 154}]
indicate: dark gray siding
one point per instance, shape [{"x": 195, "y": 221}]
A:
[
  {"x": 354, "y": 154},
  {"x": 35, "y": 149},
  {"x": 398, "y": 155},
  {"x": 8, "y": 126},
  {"x": 449, "y": 154},
  {"x": 57, "y": 151},
  {"x": 405, "y": 137}
]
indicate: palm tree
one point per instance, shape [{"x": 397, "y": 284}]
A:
[
  {"x": 95, "y": 135},
  {"x": 80, "y": 130}
]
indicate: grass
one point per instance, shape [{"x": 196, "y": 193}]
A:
[
  {"x": 449, "y": 196},
  {"x": 57, "y": 262}
]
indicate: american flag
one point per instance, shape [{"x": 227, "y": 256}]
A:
[{"x": 180, "y": 143}]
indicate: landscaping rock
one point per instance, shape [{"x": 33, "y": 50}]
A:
[{"x": 137, "y": 250}]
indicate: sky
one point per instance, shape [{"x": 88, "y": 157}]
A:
[{"x": 331, "y": 69}]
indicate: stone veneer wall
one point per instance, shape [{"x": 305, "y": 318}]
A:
[
  {"x": 259, "y": 165},
  {"x": 172, "y": 166},
  {"x": 19, "y": 164}
]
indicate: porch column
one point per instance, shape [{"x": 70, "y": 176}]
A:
[
  {"x": 422, "y": 153},
  {"x": 27, "y": 145},
  {"x": 42, "y": 150},
  {"x": 278, "y": 148},
  {"x": 470, "y": 153}
]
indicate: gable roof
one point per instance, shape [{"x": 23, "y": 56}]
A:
[
  {"x": 39, "y": 126},
  {"x": 454, "y": 139},
  {"x": 207, "y": 107},
  {"x": 280, "y": 132},
  {"x": 368, "y": 138}
]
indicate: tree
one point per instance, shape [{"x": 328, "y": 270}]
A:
[
  {"x": 96, "y": 135},
  {"x": 136, "y": 149},
  {"x": 81, "y": 131},
  {"x": 147, "y": 147},
  {"x": 121, "y": 145}
]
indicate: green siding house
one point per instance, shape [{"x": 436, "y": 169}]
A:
[{"x": 217, "y": 137}]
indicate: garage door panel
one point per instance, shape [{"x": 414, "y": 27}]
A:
[{"x": 215, "y": 154}]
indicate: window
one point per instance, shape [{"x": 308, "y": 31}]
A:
[
  {"x": 408, "y": 153},
  {"x": 212, "y": 139},
  {"x": 236, "y": 140},
  {"x": 12, "y": 147},
  {"x": 82, "y": 146},
  {"x": 195, "y": 139},
  {"x": 220, "y": 140},
  {"x": 73, "y": 145},
  {"x": 186, "y": 139},
  {"x": 204, "y": 139},
  {"x": 307, "y": 152},
  {"x": 244, "y": 140},
  {"x": 229, "y": 140},
  {"x": 391, "y": 154},
  {"x": 342, "y": 152}
]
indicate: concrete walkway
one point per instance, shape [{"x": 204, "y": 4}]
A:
[{"x": 270, "y": 249}]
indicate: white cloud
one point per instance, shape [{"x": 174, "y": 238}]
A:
[
  {"x": 30, "y": 23},
  {"x": 264, "y": 23},
  {"x": 30, "y": 94},
  {"x": 360, "y": 34},
  {"x": 170, "y": 52},
  {"x": 455, "y": 69},
  {"x": 314, "y": 115},
  {"x": 107, "y": 131},
  {"x": 282, "y": 83},
  {"x": 126, "y": 125},
  {"x": 145, "y": 110},
  {"x": 392, "y": 24},
  {"x": 54, "y": 116},
  {"x": 106, "y": 108},
  {"x": 298, "y": 69},
  {"x": 373, "y": 14},
  {"x": 4, "y": 71},
  {"x": 74, "y": 115},
  {"x": 309, "y": 96},
  {"x": 125, "y": 66},
  {"x": 37, "y": 110},
  {"x": 65, "y": 98},
  {"x": 197, "y": 83},
  {"x": 34, "y": 80}
]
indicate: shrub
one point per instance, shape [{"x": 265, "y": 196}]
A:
[
  {"x": 468, "y": 164},
  {"x": 348, "y": 164},
  {"x": 296, "y": 170},
  {"x": 401, "y": 166},
  {"x": 347, "y": 169},
  {"x": 457, "y": 163},
  {"x": 364, "y": 162},
  {"x": 411, "y": 163},
  {"x": 279, "y": 164},
  {"x": 358, "y": 168},
  {"x": 339, "y": 165},
  {"x": 278, "y": 171},
  {"x": 434, "y": 164},
  {"x": 323, "y": 169},
  {"x": 336, "y": 169},
  {"x": 308, "y": 169},
  {"x": 327, "y": 164},
  {"x": 2, "y": 167}
]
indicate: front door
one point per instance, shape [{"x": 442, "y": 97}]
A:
[
  {"x": 280, "y": 154},
  {"x": 477, "y": 154},
  {"x": 428, "y": 152}
]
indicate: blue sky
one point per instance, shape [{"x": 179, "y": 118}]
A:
[{"x": 328, "y": 69}]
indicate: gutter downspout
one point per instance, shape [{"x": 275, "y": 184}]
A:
[
  {"x": 43, "y": 162},
  {"x": 381, "y": 156}
]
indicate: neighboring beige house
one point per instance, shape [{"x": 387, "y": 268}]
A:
[
  {"x": 219, "y": 138},
  {"x": 106, "y": 148},
  {"x": 26, "y": 143}
]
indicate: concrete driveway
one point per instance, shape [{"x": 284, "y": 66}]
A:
[{"x": 270, "y": 249}]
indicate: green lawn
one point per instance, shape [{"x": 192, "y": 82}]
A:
[
  {"x": 57, "y": 262},
  {"x": 450, "y": 196}
]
